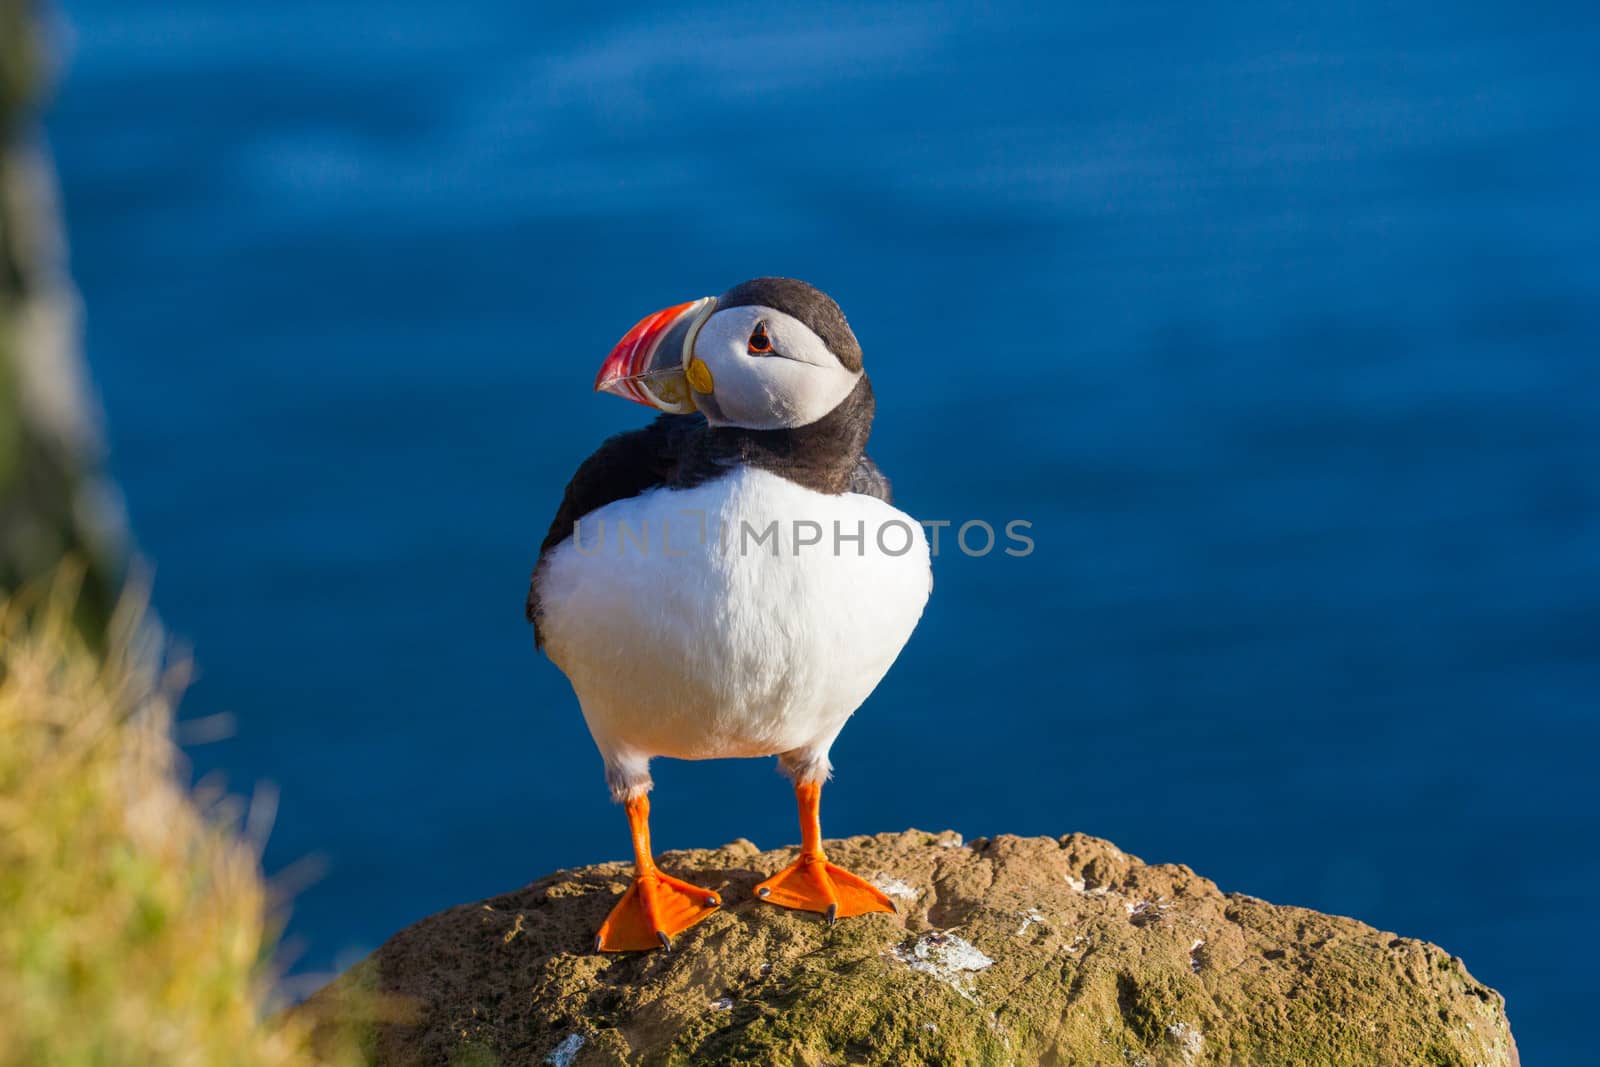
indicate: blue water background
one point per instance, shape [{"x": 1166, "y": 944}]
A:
[{"x": 1282, "y": 329}]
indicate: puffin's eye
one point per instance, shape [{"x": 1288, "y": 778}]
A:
[{"x": 760, "y": 343}]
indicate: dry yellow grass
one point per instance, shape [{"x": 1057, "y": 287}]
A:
[{"x": 134, "y": 927}]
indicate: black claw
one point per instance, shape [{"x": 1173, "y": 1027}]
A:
[
  {"x": 712, "y": 901},
  {"x": 597, "y": 940},
  {"x": 666, "y": 942},
  {"x": 833, "y": 914},
  {"x": 763, "y": 891}
]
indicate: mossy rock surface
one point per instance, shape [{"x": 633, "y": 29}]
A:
[{"x": 1006, "y": 951}]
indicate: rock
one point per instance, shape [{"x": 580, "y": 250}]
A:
[
  {"x": 1007, "y": 951},
  {"x": 54, "y": 503}
]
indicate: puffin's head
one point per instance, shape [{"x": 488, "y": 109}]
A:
[{"x": 770, "y": 353}]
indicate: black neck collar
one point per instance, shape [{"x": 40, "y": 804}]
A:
[{"x": 821, "y": 456}]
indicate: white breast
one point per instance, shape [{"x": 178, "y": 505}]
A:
[{"x": 698, "y": 623}]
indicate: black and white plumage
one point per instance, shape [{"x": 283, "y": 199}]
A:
[
  {"x": 683, "y": 451},
  {"x": 681, "y": 634}
]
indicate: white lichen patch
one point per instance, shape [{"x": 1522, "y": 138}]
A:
[
  {"x": 1136, "y": 908},
  {"x": 1194, "y": 961},
  {"x": 722, "y": 1004},
  {"x": 563, "y": 1054},
  {"x": 951, "y": 840},
  {"x": 1188, "y": 1038},
  {"x": 1029, "y": 917},
  {"x": 1077, "y": 943},
  {"x": 891, "y": 886},
  {"x": 950, "y": 959},
  {"x": 1080, "y": 886}
]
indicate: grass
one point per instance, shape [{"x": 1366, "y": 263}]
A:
[{"x": 135, "y": 927}]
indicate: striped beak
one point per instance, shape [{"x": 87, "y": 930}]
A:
[{"x": 648, "y": 365}]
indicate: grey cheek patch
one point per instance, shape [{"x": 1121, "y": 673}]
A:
[
  {"x": 799, "y": 382},
  {"x": 707, "y": 404}
]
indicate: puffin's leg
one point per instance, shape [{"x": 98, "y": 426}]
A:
[
  {"x": 811, "y": 883},
  {"x": 656, "y": 905}
]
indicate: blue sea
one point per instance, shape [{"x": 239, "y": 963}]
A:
[{"x": 1281, "y": 328}]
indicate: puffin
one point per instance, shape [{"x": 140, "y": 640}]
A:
[{"x": 732, "y": 579}]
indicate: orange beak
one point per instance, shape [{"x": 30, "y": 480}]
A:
[{"x": 648, "y": 364}]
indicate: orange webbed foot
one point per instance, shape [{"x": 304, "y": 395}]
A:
[
  {"x": 655, "y": 907},
  {"x": 811, "y": 883}
]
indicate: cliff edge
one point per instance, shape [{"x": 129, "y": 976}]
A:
[
  {"x": 53, "y": 501},
  {"x": 1007, "y": 950}
]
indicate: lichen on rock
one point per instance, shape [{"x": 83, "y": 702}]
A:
[{"x": 1112, "y": 962}]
